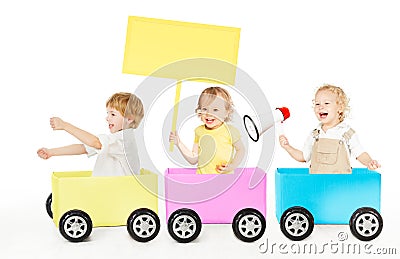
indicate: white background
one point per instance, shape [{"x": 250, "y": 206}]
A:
[{"x": 64, "y": 58}]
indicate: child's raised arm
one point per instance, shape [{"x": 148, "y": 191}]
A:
[
  {"x": 191, "y": 156},
  {"x": 84, "y": 136},
  {"x": 75, "y": 149},
  {"x": 293, "y": 152}
]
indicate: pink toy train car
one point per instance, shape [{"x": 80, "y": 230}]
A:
[{"x": 195, "y": 199}]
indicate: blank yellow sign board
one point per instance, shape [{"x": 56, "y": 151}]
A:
[{"x": 154, "y": 43}]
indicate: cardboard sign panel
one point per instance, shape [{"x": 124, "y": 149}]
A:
[{"x": 152, "y": 44}]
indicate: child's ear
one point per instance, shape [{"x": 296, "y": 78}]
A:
[
  {"x": 129, "y": 120},
  {"x": 341, "y": 107}
]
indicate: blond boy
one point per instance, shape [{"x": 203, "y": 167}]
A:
[{"x": 117, "y": 152}]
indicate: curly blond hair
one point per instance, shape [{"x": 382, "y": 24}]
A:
[{"x": 341, "y": 99}]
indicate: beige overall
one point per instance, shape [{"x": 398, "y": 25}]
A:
[{"x": 329, "y": 156}]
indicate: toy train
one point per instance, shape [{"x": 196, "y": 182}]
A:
[{"x": 80, "y": 202}]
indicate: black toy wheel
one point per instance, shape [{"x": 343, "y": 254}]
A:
[
  {"x": 143, "y": 225},
  {"x": 48, "y": 205},
  {"x": 297, "y": 223},
  {"x": 75, "y": 225},
  {"x": 184, "y": 225},
  {"x": 248, "y": 225},
  {"x": 366, "y": 224}
]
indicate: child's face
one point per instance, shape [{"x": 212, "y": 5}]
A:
[
  {"x": 115, "y": 120},
  {"x": 212, "y": 113},
  {"x": 326, "y": 108}
]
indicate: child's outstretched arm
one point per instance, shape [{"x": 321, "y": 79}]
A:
[
  {"x": 366, "y": 160},
  {"x": 75, "y": 149},
  {"x": 293, "y": 152},
  {"x": 84, "y": 136},
  {"x": 237, "y": 159},
  {"x": 191, "y": 156}
]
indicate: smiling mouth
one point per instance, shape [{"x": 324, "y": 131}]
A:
[
  {"x": 323, "y": 115},
  {"x": 210, "y": 121}
]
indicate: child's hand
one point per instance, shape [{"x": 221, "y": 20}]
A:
[
  {"x": 57, "y": 123},
  {"x": 283, "y": 141},
  {"x": 373, "y": 165},
  {"x": 44, "y": 153},
  {"x": 173, "y": 137},
  {"x": 223, "y": 168}
]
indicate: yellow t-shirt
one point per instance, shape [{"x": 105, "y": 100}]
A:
[{"x": 215, "y": 147}]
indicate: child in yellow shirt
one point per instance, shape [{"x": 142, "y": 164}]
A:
[{"x": 217, "y": 147}]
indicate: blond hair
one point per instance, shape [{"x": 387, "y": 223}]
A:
[
  {"x": 213, "y": 92},
  {"x": 129, "y": 105},
  {"x": 341, "y": 99}
]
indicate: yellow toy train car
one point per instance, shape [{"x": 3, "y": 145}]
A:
[{"x": 80, "y": 202}]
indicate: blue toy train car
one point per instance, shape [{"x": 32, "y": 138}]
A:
[{"x": 304, "y": 199}]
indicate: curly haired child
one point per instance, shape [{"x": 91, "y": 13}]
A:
[{"x": 329, "y": 145}]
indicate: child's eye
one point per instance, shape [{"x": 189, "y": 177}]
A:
[{"x": 215, "y": 110}]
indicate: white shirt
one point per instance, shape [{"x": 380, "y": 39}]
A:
[
  {"x": 353, "y": 147},
  {"x": 118, "y": 155}
]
